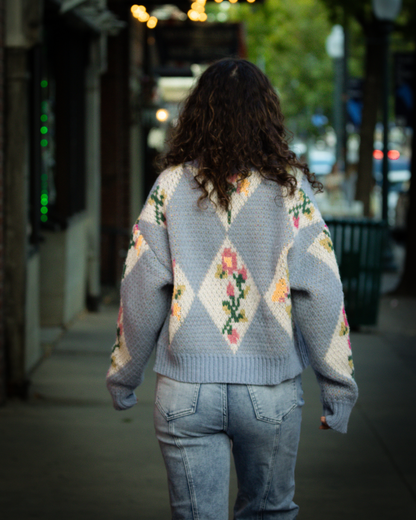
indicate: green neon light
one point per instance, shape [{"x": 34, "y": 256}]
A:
[
  {"x": 44, "y": 118},
  {"x": 44, "y": 202},
  {"x": 44, "y": 210},
  {"x": 44, "y": 130},
  {"x": 44, "y": 192},
  {"x": 43, "y": 218},
  {"x": 44, "y": 83},
  {"x": 44, "y": 142}
]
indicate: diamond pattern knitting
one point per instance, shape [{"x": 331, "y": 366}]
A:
[
  {"x": 343, "y": 364},
  {"x": 301, "y": 210},
  {"x": 155, "y": 209},
  {"x": 278, "y": 296},
  {"x": 221, "y": 301},
  {"x": 182, "y": 298},
  {"x": 137, "y": 247},
  {"x": 119, "y": 355},
  {"x": 230, "y": 295},
  {"x": 323, "y": 249}
]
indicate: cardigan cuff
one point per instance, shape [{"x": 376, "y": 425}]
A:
[
  {"x": 122, "y": 400},
  {"x": 337, "y": 415}
]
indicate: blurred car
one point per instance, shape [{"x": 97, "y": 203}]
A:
[
  {"x": 321, "y": 162},
  {"x": 399, "y": 168}
]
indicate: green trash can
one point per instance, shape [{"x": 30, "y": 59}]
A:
[{"x": 358, "y": 246}]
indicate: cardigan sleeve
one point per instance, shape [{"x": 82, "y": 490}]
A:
[
  {"x": 319, "y": 312},
  {"x": 146, "y": 290}
]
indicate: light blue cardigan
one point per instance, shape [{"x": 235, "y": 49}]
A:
[{"x": 247, "y": 296}]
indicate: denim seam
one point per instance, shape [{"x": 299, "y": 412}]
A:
[
  {"x": 269, "y": 419},
  {"x": 270, "y": 475},
  {"x": 224, "y": 394},
  {"x": 187, "y": 471}
]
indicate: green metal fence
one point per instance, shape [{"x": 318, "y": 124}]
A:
[{"x": 358, "y": 246}]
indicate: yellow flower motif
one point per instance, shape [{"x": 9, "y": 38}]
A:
[
  {"x": 309, "y": 215},
  {"x": 351, "y": 364},
  {"x": 226, "y": 309},
  {"x": 176, "y": 310},
  {"x": 327, "y": 244},
  {"x": 246, "y": 291},
  {"x": 344, "y": 330},
  {"x": 178, "y": 291},
  {"x": 219, "y": 273},
  {"x": 289, "y": 310},
  {"x": 151, "y": 201},
  {"x": 244, "y": 317},
  {"x": 281, "y": 291}
]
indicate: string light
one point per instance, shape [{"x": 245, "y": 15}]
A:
[
  {"x": 139, "y": 12},
  {"x": 152, "y": 22}
]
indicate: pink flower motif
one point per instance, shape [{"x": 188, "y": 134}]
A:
[
  {"x": 230, "y": 289},
  {"x": 173, "y": 264},
  {"x": 234, "y": 178},
  {"x": 243, "y": 272},
  {"x": 233, "y": 337},
  {"x": 296, "y": 222},
  {"x": 229, "y": 261}
]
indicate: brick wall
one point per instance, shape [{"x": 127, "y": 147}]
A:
[{"x": 2, "y": 347}]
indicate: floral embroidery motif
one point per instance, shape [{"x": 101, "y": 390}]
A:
[
  {"x": 155, "y": 209},
  {"x": 137, "y": 247},
  {"x": 157, "y": 199},
  {"x": 326, "y": 242},
  {"x": 119, "y": 355},
  {"x": 182, "y": 298},
  {"x": 231, "y": 306},
  {"x": 341, "y": 343},
  {"x": 322, "y": 248},
  {"x": 304, "y": 207},
  {"x": 230, "y": 295},
  {"x": 278, "y": 296},
  {"x": 302, "y": 211}
]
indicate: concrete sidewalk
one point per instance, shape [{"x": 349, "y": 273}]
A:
[{"x": 66, "y": 454}]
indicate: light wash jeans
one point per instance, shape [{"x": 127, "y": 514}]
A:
[{"x": 197, "y": 425}]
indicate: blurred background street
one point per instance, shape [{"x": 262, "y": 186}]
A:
[{"x": 90, "y": 91}]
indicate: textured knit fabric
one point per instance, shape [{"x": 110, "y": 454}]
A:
[{"x": 247, "y": 296}]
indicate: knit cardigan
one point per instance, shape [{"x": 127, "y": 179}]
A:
[{"x": 251, "y": 295}]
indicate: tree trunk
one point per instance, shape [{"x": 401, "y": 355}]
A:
[{"x": 371, "y": 98}]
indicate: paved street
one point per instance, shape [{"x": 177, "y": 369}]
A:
[{"x": 68, "y": 455}]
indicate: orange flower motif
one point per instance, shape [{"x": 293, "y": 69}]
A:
[{"x": 281, "y": 291}]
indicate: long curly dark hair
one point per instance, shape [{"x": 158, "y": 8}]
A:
[{"x": 231, "y": 123}]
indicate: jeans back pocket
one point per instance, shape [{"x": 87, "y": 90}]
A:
[
  {"x": 272, "y": 403},
  {"x": 176, "y": 399}
]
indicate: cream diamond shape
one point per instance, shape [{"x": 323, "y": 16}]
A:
[
  {"x": 278, "y": 295},
  {"x": 137, "y": 247},
  {"x": 239, "y": 196},
  {"x": 182, "y": 299},
  {"x": 302, "y": 212},
  {"x": 120, "y": 355},
  {"x": 339, "y": 355},
  {"x": 323, "y": 249},
  {"x": 155, "y": 208},
  {"x": 230, "y": 295}
]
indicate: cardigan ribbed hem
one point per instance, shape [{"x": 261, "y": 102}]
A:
[
  {"x": 337, "y": 415},
  {"x": 212, "y": 368}
]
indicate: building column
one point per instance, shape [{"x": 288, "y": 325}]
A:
[{"x": 93, "y": 168}]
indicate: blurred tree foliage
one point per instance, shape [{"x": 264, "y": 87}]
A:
[{"x": 286, "y": 39}]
